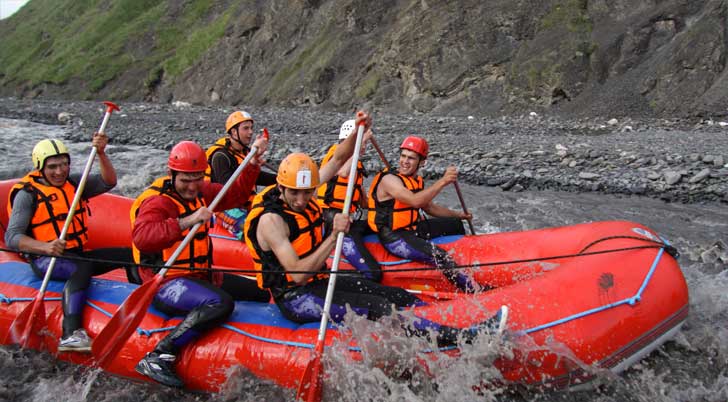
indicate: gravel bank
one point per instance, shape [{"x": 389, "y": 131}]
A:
[{"x": 673, "y": 160}]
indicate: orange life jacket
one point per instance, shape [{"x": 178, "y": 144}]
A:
[
  {"x": 305, "y": 236},
  {"x": 197, "y": 254},
  {"x": 333, "y": 193},
  {"x": 223, "y": 145},
  {"x": 52, "y": 205},
  {"x": 393, "y": 214}
]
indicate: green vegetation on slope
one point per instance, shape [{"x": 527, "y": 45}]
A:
[
  {"x": 94, "y": 41},
  {"x": 541, "y": 67}
]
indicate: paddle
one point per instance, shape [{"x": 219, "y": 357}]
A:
[
  {"x": 435, "y": 294},
  {"x": 381, "y": 154},
  {"x": 311, "y": 386},
  {"x": 127, "y": 318},
  {"x": 462, "y": 204},
  {"x": 27, "y": 325}
]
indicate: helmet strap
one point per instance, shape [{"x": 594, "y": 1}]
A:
[{"x": 236, "y": 138}]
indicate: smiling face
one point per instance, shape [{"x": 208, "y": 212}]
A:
[
  {"x": 409, "y": 162},
  {"x": 188, "y": 185},
  {"x": 56, "y": 170}
]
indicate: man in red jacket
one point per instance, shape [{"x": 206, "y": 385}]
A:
[{"x": 161, "y": 218}]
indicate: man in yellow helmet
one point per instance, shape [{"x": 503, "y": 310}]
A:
[
  {"x": 224, "y": 156},
  {"x": 38, "y": 206},
  {"x": 284, "y": 235}
]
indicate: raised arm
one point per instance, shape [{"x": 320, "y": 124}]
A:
[
  {"x": 344, "y": 150},
  {"x": 108, "y": 173}
]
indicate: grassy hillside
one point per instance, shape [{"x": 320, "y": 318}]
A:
[
  {"x": 92, "y": 42},
  {"x": 620, "y": 57}
]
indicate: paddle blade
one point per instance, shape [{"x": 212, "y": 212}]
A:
[
  {"x": 123, "y": 323},
  {"x": 311, "y": 387},
  {"x": 27, "y": 326},
  {"x": 111, "y": 106}
]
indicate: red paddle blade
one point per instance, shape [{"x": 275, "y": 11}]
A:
[
  {"x": 311, "y": 387},
  {"x": 111, "y": 106},
  {"x": 27, "y": 326},
  {"x": 124, "y": 322}
]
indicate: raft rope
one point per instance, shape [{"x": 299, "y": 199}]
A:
[
  {"x": 631, "y": 301},
  {"x": 583, "y": 253},
  {"x": 10, "y": 300}
]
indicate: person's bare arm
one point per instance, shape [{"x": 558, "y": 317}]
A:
[
  {"x": 440, "y": 211},
  {"x": 392, "y": 187},
  {"x": 273, "y": 234},
  {"x": 108, "y": 173}
]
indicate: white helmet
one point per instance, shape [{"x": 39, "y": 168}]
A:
[{"x": 346, "y": 129}]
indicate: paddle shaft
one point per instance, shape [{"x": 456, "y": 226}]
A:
[
  {"x": 462, "y": 204},
  {"x": 310, "y": 387},
  {"x": 435, "y": 294},
  {"x": 381, "y": 154},
  {"x": 340, "y": 236}
]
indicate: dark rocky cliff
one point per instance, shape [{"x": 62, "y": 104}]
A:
[{"x": 605, "y": 57}]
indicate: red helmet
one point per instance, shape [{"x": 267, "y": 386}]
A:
[
  {"x": 416, "y": 144},
  {"x": 187, "y": 156}
]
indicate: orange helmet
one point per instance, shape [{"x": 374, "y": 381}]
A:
[
  {"x": 188, "y": 157},
  {"x": 416, "y": 144},
  {"x": 236, "y": 118},
  {"x": 298, "y": 171}
]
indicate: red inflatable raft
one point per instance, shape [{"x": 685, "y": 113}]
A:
[{"x": 608, "y": 293}]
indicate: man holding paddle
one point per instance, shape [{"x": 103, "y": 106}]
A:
[
  {"x": 162, "y": 216},
  {"x": 224, "y": 156},
  {"x": 38, "y": 207},
  {"x": 331, "y": 195},
  {"x": 395, "y": 199},
  {"x": 284, "y": 234}
]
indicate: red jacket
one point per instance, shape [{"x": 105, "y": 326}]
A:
[{"x": 156, "y": 227}]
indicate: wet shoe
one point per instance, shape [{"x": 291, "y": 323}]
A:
[
  {"x": 499, "y": 321},
  {"x": 159, "y": 367},
  {"x": 494, "y": 326},
  {"x": 78, "y": 341}
]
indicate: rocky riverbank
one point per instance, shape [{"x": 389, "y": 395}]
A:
[{"x": 674, "y": 160}]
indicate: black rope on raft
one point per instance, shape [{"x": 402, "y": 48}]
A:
[{"x": 582, "y": 253}]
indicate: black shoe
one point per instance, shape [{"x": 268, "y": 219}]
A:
[{"x": 159, "y": 367}]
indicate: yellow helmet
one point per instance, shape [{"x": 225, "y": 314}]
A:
[
  {"x": 298, "y": 171},
  {"x": 44, "y": 149},
  {"x": 236, "y": 118}
]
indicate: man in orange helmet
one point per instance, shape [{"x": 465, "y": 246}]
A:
[
  {"x": 394, "y": 203},
  {"x": 224, "y": 156},
  {"x": 161, "y": 218},
  {"x": 284, "y": 235}
]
